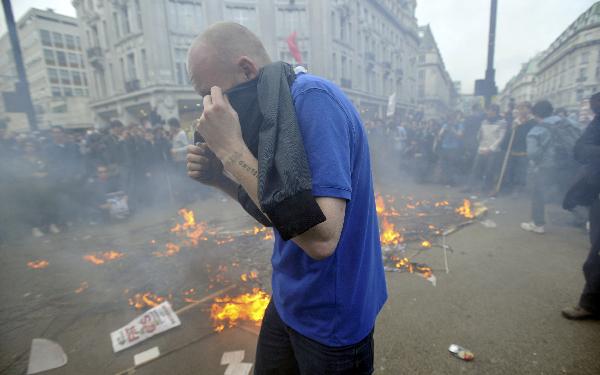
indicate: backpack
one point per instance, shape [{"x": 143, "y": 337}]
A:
[{"x": 559, "y": 149}]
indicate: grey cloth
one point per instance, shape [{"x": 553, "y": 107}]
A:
[{"x": 284, "y": 178}]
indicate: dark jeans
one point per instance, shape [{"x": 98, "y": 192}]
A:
[
  {"x": 590, "y": 297},
  {"x": 283, "y": 351}
]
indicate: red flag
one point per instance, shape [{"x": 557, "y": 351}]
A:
[{"x": 293, "y": 46}]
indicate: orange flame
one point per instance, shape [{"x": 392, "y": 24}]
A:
[
  {"x": 245, "y": 307},
  {"x": 379, "y": 205},
  {"x": 389, "y": 235},
  {"x": 38, "y": 264},
  {"x": 83, "y": 286},
  {"x": 192, "y": 230},
  {"x": 252, "y": 275},
  {"x": 465, "y": 209},
  {"x": 171, "y": 250},
  {"x": 101, "y": 258},
  {"x": 148, "y": 299},
  {"x": 426, "y": 244},
  {"x": 410, "y": 267}
]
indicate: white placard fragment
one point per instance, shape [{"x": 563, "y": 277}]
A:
[
  {"x": 154, "y": 321},
  {"x": 241, "y": 368},
  {"x": 232, "y": 357},
  {"x": 146, "y": 356}
]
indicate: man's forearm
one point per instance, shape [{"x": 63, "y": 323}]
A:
[{"x": 318, "y": 242}]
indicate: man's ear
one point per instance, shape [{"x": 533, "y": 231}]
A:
[{"x": 248, "y": 67}]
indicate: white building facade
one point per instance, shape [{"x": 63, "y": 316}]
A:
[
  {"x": 137, "y": 52},
  {"x": 436, "y": 92},
  {"x": 55, "y": 69}
]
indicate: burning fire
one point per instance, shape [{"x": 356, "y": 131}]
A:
[
  {"x": 101, "y": 258},
  {"x": 83, "y": 286},
  {"x": 252, "y": 275},
  {"x": 171, "y": 249},
  {"x": 246, "y": 307},
  {"x": 389, "y": 235},
  {"x": 425, "y": 244},
  {"x": 148, "y": 299},
  {"x": 408, "y": 266},
  {"x": 465, "y": 209},
  {"x": 192, "y": 230},
  {"x": 379, "y": 205},
  {"x": 38, "y": 264},
  {"x": 268, "y": 234}
]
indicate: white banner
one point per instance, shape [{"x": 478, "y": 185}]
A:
[
  {"x": 391, "y": 107},
  {"x": 154, "y": 321}
]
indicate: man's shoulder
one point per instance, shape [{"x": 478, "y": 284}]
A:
[{"x": 306, "y": 82}]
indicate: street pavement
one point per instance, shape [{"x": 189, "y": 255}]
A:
[{"x": 501, "y": 298}]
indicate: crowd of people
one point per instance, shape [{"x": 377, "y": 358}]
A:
[
  {"x": 58, "y": 177},
  {"x": 55, "y": 178},
  {"x": 528, "y": 148}
]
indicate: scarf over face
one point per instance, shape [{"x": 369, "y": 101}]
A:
[{"x": 270, "y": 130}]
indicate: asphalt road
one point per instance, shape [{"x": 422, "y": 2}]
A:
[{"x": 501, "y": 298}]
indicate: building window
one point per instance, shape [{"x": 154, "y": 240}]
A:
[
  {"x": 125, "y": 19},
  {"x": 290, "y": 20},
  {"x": 585, "y": 58},
  {"x": 116, "y": 24},
  {"x": 334, "y": 66},
  {"x": 70, "y": 41},
  {"x": 185, "y": 17},
  {"x": 76, "y": 76},
  {"x": 582, "y": 74},
  {"x": 65, "y": 77},
  {"x": 49, "y": 57},
  {"x": 56, "y": 91},
  {"x": 68, "y": 91},
  {"x": 145, "y": 64},
  {"x": 180, "y": 66},
  {"x": 58, "y": 40},
  {"x": 244, "y": 15},
  {"x": 53, "y": 75},
  {"x": 77, "y": 91},
  {"x": 45, "y": 37},
  {"x": 105, "y": 32},
  {"x": 78, "y": 43},
  {"x": 73, "y": 60},
  {"x": 138, "y": 13},
  {"x": 62, "y": 58},
  {"x": 131, "y": 70}
]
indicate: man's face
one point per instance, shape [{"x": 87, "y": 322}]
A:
[
  {"x": 102, "y": 173},
  {"x": 207, "y": 70},
  {"x": 523, "y": 112},
  {"x": 491, "y": 113}
]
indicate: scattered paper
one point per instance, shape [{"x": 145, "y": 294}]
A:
[
  {"x": 232, "y": 357},
  {"x": 432, "y": 279},
  {"x": 154, "y": 321},
  {"x": 489, "y": 223},
  {"x": 45, "y": 355},
  {"x": 241, "y": 368},
  {"x": 146, "y": 356}
]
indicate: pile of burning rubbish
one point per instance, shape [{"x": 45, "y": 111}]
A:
[{"x": 405, "y": 224}]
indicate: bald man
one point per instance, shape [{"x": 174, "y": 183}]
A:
[{"x": 328, "y": 282}]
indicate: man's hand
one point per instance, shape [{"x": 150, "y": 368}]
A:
[
  {"x": 219, "y": 125},
  {"x": 203, "y": 166}
]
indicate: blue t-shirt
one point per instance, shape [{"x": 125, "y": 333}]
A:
[{"x": 334, "y": 301}]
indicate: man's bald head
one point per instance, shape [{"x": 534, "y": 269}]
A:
[{"x": 225, "y": 55}]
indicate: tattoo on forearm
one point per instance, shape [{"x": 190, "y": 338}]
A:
[
  {"x": 248, "y": 168},
  {"x": 236, "y": 159}
]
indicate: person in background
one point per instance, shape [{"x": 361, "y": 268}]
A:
[
  {"x": 515, "y": 177},
  {"x": 486, "y": 164},
  {"x": 105, "y": 197},
  {"x": 587, "y": 152},
  {"x": 180, "y": 141},
  {"x": 450, "y": 148}
]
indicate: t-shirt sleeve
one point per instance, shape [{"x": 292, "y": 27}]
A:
[{"x": 327, "y": 136}]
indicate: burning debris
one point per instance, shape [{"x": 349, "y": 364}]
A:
[
  {"x": 171, "y": 249},
  {"x": 104, "y": 257},
  {"x": 82, "y": 287},
  {"x": 228, "y": 311},
  {"x": 419, "y": 222},
  {"x": 37, "y": 264},
  {"x": 144, "y": 300}
]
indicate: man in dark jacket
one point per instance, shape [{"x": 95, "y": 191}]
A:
[{"x": 587, "y": 151}]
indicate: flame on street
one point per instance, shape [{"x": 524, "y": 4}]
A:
[
  {"x": 148, "y": 299},
  {"x": 245, "y": 307},
  {"x": 389, "y": 234},
  {"x": 83, "y": 286},
  {"x": 406, "y": 265},
  {"x": 37, "y": 264},
  {"x": 465, "y": 209},
  {"x": 192, "y": 230},
  {"x": 171, "y": 249},
  {"x": 101, "y": 258}
]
